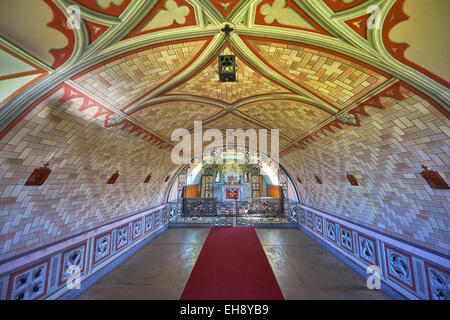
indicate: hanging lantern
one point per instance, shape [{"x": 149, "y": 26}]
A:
[{"x": 227, "y": 68}]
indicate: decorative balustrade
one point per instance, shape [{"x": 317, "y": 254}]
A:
[
  {"x": 210, "y": 207},
  {"x": 415, "y": 272},
  {"x": 50, "y": 272}
]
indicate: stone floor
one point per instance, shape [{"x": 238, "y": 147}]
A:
[{"x": 303, "y": 268}]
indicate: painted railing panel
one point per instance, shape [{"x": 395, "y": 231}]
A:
[
  {"x": 45, "y": 273},
  {"x": 412, "y": 271}
]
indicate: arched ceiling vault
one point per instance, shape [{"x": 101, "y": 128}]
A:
[{"x": 303, "y": 66}]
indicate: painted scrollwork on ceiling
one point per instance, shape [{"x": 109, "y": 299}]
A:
[{"x": 313, "y": 66}]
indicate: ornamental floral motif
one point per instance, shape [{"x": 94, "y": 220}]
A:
[
  {"x": 137, "y": 229},
  {"x": 346, "y": 239},
  {"x": 102, "y": 247},
  {"x": 439, "y": 284},
  {"x": 29, "y": 284},
  {"x": 122, "y": 237}
]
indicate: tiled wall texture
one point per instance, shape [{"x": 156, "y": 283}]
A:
[
  {"x": 385, "y": 154},
  {"x": 82, "y": 156}
]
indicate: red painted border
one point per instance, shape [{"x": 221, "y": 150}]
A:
[
  {"x": 413, "y": 281},
  {"x": 93, "y": 36},
  {"x": 340, "y": 5},
  {"x": 315, "y": 220},
  {"x": 281, "y": 99},
  {"x": 128, "y": 53},
  {"x": 340, "y": 242},
  {"x": 427, "y": 266},
  {"x": 374, "y": 246},
  {"x": 12, "y": 276},
  {"x": 110, "y": 10},
  {"x": 117, "y": 237},
  {"x": 132, "y": 227},
  {"x": 251, "y": 47},
  {"x": 397, "y": 50},
  {"x": 221, "y": 9},
  {"x": 207, "y": 41},
  {"x": 150, "y": 216},
  {"x": 25, "y": 86},
  {"x": 59, "y": 23},
  {"x": 60, "y": 281},
  {"x": 95, "y": 246},
  {"x": 190, "y": 19},
  {"x": 306, "y": 221},
  {"x": 335, "y": 231},
  {"x": 260, "y": 20},
  {"x": 212, "y": 61}
]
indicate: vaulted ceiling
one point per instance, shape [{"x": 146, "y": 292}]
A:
[{"x": 303, "y": 66}]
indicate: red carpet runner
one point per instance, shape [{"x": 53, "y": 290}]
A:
[{"x": 232, "y": 266}]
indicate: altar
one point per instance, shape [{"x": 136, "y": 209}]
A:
[{"x": 232, "y": 191}]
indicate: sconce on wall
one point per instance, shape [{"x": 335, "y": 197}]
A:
[
  {"x": 352, "y": 180},
  {"x": 298, "y": 180},
  {"x": 39, "y": 176},
  {"x": 167, "y": 178},
  {"x": 434, "y": 179},
  {"x": 113, "y": 178},
  {"x": 147, "y": 180},
  {"x": 318, "y": 180}
]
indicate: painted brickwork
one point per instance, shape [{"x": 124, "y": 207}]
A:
[
  {"x": 409, "y": 270},
  {"x": 385, "y": 155},
  {"x": 75, "y": 197},
  {"x": 50, "y": 272}
]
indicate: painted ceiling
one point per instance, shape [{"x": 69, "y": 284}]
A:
[{"x": 303, "y": 67}]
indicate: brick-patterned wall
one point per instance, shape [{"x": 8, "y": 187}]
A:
[
  {"x": 75, "y": 197},
  {"x": 385, "y": 154}
]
